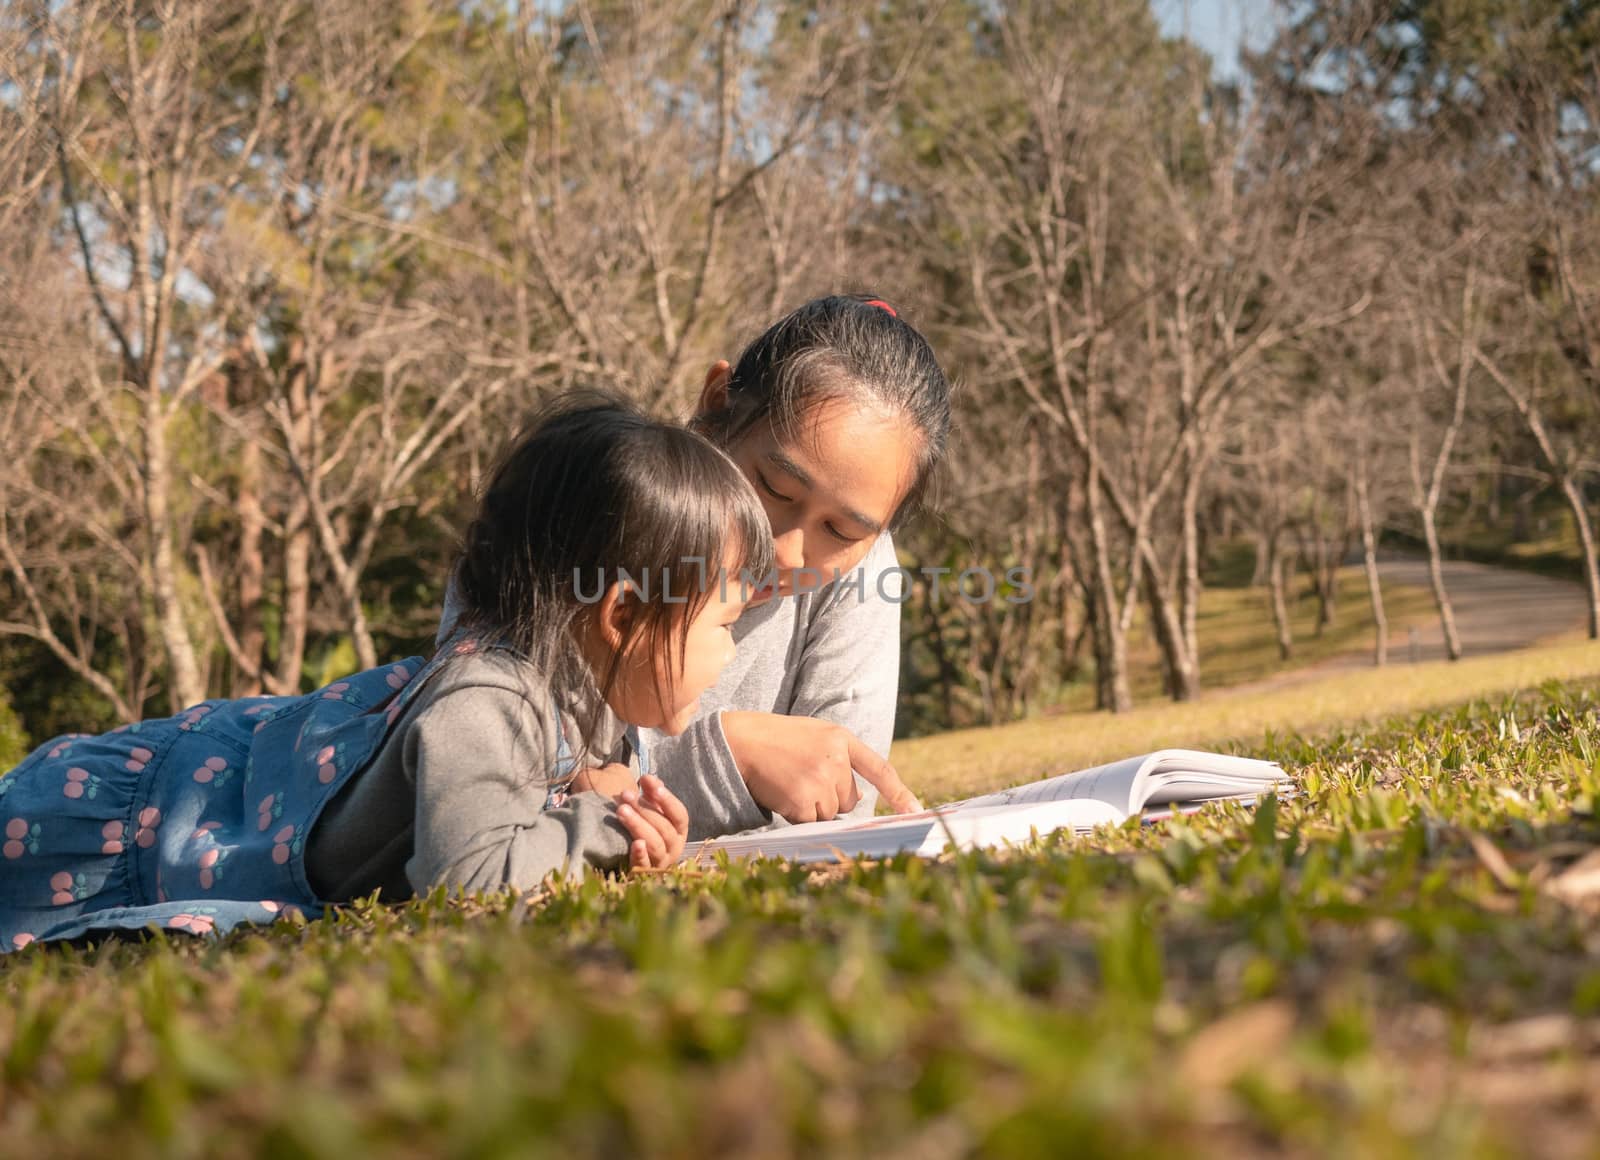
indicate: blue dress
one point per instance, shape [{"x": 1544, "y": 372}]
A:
[{"x": 196, "y": 822}]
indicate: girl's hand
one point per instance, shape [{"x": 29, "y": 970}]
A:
[
  {"x": 800, "y": 767},
  {"x": 613, "y": 780},
  {"x": 658, "y": 823}
]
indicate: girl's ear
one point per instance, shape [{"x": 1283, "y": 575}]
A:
[
  {"x": 614, "y": 615},
  {"x": 714, "y": 395}
]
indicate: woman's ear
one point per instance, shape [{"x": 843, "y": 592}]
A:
[
  {"x": 714, "y": 395},
  {"x": 614, "y": 615}
]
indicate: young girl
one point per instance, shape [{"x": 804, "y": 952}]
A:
[{"x": 592, "y": 605}]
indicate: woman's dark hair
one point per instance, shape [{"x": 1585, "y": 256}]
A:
[
  {"x": 853, "y": 347},
  {"x": 592, "y": 489}
]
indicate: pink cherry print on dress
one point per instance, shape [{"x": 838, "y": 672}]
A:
[
  {"x": 192, "y": 715},
  {"x": 21, "y": 939},
  {"x": 204, "y": 829},
  {"x": 397, "y": 677},
  {"x": 208, "y": 860},
  {"x": 149, "y": 819},
  {"x": 61, "y": 883},
  {"x": 209, "y": 770},
  {"x": 75, "y": 779},
  {"x": 326, "y": 770},
  {"x": 264, "y": 812},
  {"x": 59, "y": 749},
  {"x": 334, "y": 692},
  {"x": 112, "y": 833},
  {"x": 280, "y": 851},
  {"x": 16, "y": 830},
  {"x": 138, "y": 757}
]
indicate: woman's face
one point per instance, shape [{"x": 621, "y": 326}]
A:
[{"x": 829, "y": 486}]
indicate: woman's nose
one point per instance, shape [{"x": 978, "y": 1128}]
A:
[{"x": 789, "y": 549}]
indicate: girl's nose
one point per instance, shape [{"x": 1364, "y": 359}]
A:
[{"x": 789, "y": 549}]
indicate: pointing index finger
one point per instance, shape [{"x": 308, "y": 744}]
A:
[{"x": 881, "y": 774}]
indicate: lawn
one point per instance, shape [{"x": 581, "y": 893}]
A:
[{"x": 1404, "y": 960}]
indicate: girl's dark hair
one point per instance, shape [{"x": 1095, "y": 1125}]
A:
[
  {"x": 593, "y": 488},
  {"x": 844, "y": 346}
]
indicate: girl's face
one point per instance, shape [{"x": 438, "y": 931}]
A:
[
  {"x": 829, "y": 488},
  {"x": 663, "y": 691}
]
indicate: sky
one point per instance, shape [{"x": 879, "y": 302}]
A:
[{"x": 1218, "y": 26}]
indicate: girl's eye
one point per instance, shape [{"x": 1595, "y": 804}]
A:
[
  {"x": 770, "y": 490},
  {"x": 841, "y": 537}
]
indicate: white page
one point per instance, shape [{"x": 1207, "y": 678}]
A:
[
  {"x": 1187, "y": 775},
  {"x": 1111, "y": 783},
  {"x": 928, "y": 833}
]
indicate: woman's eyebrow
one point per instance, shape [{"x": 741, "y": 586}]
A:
[
  {"x": 784, "y": 463},
  {"x": 872, "y": 525}
]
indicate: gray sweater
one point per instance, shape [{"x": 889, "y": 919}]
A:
[
  {"x": 832, "y": 653},
  {"x": 456, "y": 794}
]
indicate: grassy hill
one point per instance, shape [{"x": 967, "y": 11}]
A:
[{"x": 1405, "y": 960}]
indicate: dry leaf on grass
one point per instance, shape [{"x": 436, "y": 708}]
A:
[
  {"x": 1580, "y": 882},
  {"x": 1243, "y": 1039}
]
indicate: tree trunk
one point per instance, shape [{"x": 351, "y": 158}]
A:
[
  {"x": 187, "y": 686},
  {"x": 1441, "y": 597},
  {"x": 1182, "y": 664},
  {"x": 296, "y": 604},
  {"x": 1328, "y": 561},
  {"x": 1280, "y": 600},
  {"x": 1266, "y": 551},
  {"x": 251, "y": 567},
  {"x": 1186, "y": 661},
  {"x": 1369, "y": 560},
  {"x": 1573, "y": 494},
  {"x": 1112, "y": 688}
]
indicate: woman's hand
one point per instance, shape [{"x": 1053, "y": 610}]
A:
[
  {"x": 800, "y": 767},
  {"x": 613, "y": 780},
  {"x": 657, "y": 822}
]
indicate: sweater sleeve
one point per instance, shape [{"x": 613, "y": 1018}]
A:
[
  {"x": 849, "y": 671},
  {"x": 480, "y": 756},
  {"x": 699, "y": 768}
]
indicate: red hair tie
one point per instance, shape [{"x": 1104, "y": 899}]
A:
[{"x": 882, "y": 305}]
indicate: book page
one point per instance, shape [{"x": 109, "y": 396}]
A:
[
  {"x": 928, "y": 833},
  {"x": 1187, "y": 775},
  {"x": 1112, "y": 783}
]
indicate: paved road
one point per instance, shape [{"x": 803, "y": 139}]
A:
[{"x": 1496, "y": 609}]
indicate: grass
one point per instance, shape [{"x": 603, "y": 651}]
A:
[
  {"x": 1403, "y": 961},
  {"x": 969, "y": 761}
]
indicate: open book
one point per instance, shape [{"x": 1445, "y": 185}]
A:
[{"x": 1154, "y": 785}]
